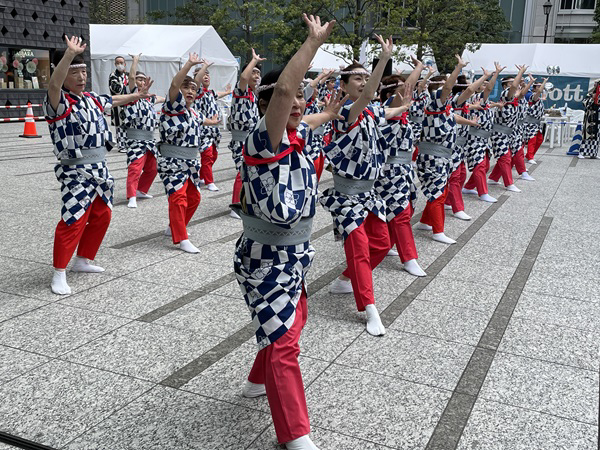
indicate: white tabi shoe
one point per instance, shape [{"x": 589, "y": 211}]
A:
[
  {"x": 492, "y": 182},
  {"x": 512, "y": 188},
  {"x": 253, "y": 390},
  {"x": 462, "y": 215},
  {"x": 441, "y": 237},
  {"x": 487, "y": 198},
  {"x": 132, "y": 203},
  {"x": 212, "y": 187},
  {"x": 447, "y": 207},
  {"x": 234, "y": 215},
  {"x": 301, "y": 443},
  {"x": 341, "y": 287},
  {"x": 525, "y": 176},
  {"x": 59, "y": 283},
  {"x": 83, "y": 265},
  {"x": 188, "y": 247},
  {"x": 531, "y": 161},
  {"x": 412, "y": 267},
  {"x": 469, "y": 191},
  {"x": 168, "y": 231},
  {"x": 374, "y": 325},
  {"x": 580, "y": 156},
  {"x": 140, "y": 194},
  {"x": 423, "y": 226},
  {"x": 392, "y": 252}
]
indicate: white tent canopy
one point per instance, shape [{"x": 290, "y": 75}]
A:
[
  {"x": 164, "y": 49},
  {"x": 574, "y": 60}
]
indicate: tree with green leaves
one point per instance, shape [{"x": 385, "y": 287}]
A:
[
  {"x": 101, "y": 11},
  {"x": 595, "y": 37}
]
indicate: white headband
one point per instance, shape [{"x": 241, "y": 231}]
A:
[
  {"x": 355, "y": 72},
  {"x": 266, "y": 87},
  {"x": 78, "y": 66},
  {"x": 387, "y": 86}
]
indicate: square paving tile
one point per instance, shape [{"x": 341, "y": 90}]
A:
[
  {"x": 496, "y": 426},
  {"x": 143, "y": 350},
  {"x": 325, "y": 338},
  {"x": 14, "y": 305},
  {"x": 16, "y": 362},
  {"x": 167, "y": 418},
  {"x": 462, "y": 294},
  {"x": 542, "y": 386},
  {"x": 60, "y": 400}
]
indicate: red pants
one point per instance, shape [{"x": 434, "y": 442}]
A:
[
  {"x": 276, "y": 366},
  {"x": 319, "y": 165},
  {"x": 478, "y": 178},
  {"x": 237, "y": 189},
  {"x": 534, "y": 144},
  {"x": 207, "y": 159},
  {"x": 86, "y": 234},
  {"x": 434, "y": 214},
  {"x": 518, "y": 161},
  {"x": 141, "y": 174},
  {"x": 503, "y": 169},
  {"x": 454, "y": 188},
  {"x": 182, "y": 206},
  {"x": 415, "y": 153},
  {"x": 365, "y": 248},
  {"x": 401, "y": 234}
]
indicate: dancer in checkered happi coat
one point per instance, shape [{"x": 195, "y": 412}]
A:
[
  {"x": 243, "y": 116},
  {"x": 206, "y": 104},
  {"x": 141, "y": 145},
  {"x": 396, "y": 183},
  {"x": 478, "y": 142},
  {"x": 274, "y": 252},
  {"x": 81, "y": 138},
  {"x": 357, "y": 154},
  {"x": 178, "y": 165},
  {"x": 117, "y": 84},
  {"x": 591, "y": 124},
  {"x": 417, "y": 108},
  {"x": 506, "y": 116},
  {"x": 434, "y": 166},
  {"x": 518, "y": 136},
  {"x": 533, "y": 121}
]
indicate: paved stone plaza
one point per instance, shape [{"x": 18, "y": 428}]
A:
[{"x": 497, "y": 348}]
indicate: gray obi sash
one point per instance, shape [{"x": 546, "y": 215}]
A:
[
  {"x": 400, "y": 158},
  {"x": 531, "y": 119},
  {"x": 430, "y": 148},
  {"x": 479, "y": 132},
  {"x": 268, "y": 233},
  {"x": 417, "y": 119},
  {"x": 319, "y": 131},
  {"x": 89, "y": 156},
  {"x": 175, "y": 151},
  {"x": 461, "y": 140},
  {"x": 352, "y": 187},
  {"x": 239, "y": 135},
  {"x": 502, "y": 129},
  {"x": 139, "y": 135}
]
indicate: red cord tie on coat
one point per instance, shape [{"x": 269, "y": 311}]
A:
[
  {"x": 403, "y": 118},
  {"x": 296, "y": 144},
  {"x": 446, "y": 111}
]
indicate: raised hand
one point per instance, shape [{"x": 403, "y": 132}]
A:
[
  {"x": 460, "y": 62},
  {"x": 486, "y": 73},
  {"x": 407, "y": 97},
  {"x": 75, "y": 46},
  {"x": 135, "y": 57},
  {"x": 194, "y": 59},
  {"x": 522, "y": 68},
  {"x": 143, "y": 91},
  {"x": 334, "y": 104},
  {"x": 415, "y": 62},
  {"x": 228, "y": 87},
  {"x": 256, "y": 57},
  {"x": 317, "y": 31},
  {"x": 387, "y": 46},
  {"x": 499, "y": 68}
]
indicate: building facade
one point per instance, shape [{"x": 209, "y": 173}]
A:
[{"x": 30, "y": 32}]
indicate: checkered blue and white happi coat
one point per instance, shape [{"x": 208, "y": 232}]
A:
[
  {"x": 206, "y": 104},
  {"x": 357, "y": 152},
  {"x": 141, "y": 116},
  {"x": 179, "y": 126},
  {"x": 519, "y": 134},
  {"x": 458, "y": 154},
  {"x": 317, "y": 142},
  {"x": 396, "y": 183},
  {"x": 535, "y": 109},
  {"x": 507, "y": 116},
  {"x": 477, "y": 146},
  {"x": 243, "y": 116},
  {"x": 439, "y": 127},
  {"x": 417, "y": 109},
  {"x": 279, "y": 186},
  {"x": 76, "y": 125}
]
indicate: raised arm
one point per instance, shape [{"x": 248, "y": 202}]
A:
[
  {"x": 539, "y": 90},
  {"x": 180, "y": 76},
  {"x": 401, "y": 103},
  {"x": 473, "y": 87},
  {"x": 413, "y": 78},
  {"x": 247, "y": 73},
  {"x": 371, "y": 87},
  {"x": 119, "y": 100},
  {"x": 523, "y": 91},
  {"x": 515, "y": 84},
  {"x": 74, "y": 47},
  {"x": 133, "y": 70},
  {"x": 331, "y": 111},
  {"x": 449, "y": 84},
  {"x": 286, "y": 88},
  {"x": 322, "y": 76},
  {"x": 488, "y": 90},
  {"x": 423, "y": 83},
  {"x": 226, "y": 92}
]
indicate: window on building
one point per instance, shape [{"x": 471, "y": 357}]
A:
[
  {"x": 24, "y": 68},
  {"x": 578, "y": 4}
]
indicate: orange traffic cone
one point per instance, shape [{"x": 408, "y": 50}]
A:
[{"x": 30, "y": 131}]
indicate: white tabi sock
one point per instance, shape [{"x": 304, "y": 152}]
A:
[
  {"x": 301, "y": 443},
  {"x": 392, "y": 252},
  {"x": 187, "y": 246},
  {"x": 423, "y": 226},
  {"x": 492, "y": 182},
  {"x": 83, "y": 265},
  {"x": 341, "y": 287},
  {"x": 374, "y": 325},
  {"x": 412, "y": 267},
  {"x": 140, "y": 194},
  {"x": 168, "y": 230},
  {"x": 59, "y": 283},
  {"x": 253, "y": 390},
  {"x": 132, "y": 203},
  {"x": 531, "y": 161},
  {"x": 580, "y": 156},
  {"x": 487, "y": 198},
  {"x": 212, "y": 187},
  {"x": 447, "y": 207},
  {"x": 234, "y": 215},
  {"x": 462, "y": 215},
  {"x": 469, "y": 191},
  {"x": 525, "y": 176},
  {"x": 441, "y": 237},
  {"x": 512, "y": 188}
]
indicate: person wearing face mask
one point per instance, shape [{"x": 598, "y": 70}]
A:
[
  {"x": 81, "y": 138},
  {"x": 139, "y": 120},
  {"x": 591, "y": 123},
  {"x": 274, "y": 253},
  {"x": 206, "y": 104},
  {"x": 357, "y": 154},
  {"x": 117, "y": 84},
  {"x": 243, "y": 117},
  {"x": 180, "y": 140}
]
